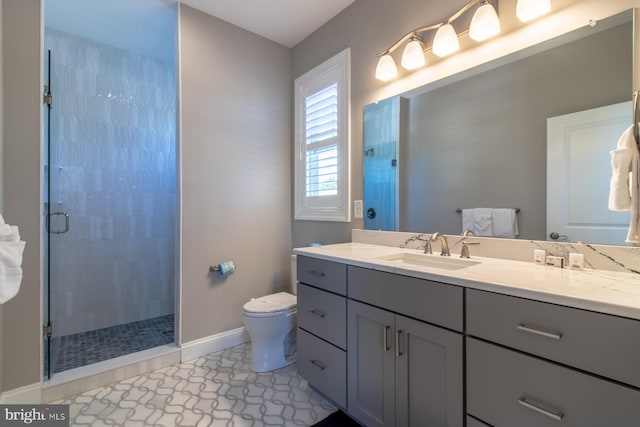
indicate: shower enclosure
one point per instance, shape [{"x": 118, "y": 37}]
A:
[{"x": 110, "y": 201}]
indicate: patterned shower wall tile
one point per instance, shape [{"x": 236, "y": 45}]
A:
[{"x": 114, "y": 136}]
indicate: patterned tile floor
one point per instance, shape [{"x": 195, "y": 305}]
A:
[
  {"x": 215, "y": 390},
  {"x": 85, "y": 348}
]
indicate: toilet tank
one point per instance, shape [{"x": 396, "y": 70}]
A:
[{"x": 294, "y": 274}]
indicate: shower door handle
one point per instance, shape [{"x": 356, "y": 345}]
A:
[{"x": 66, "y": 223}]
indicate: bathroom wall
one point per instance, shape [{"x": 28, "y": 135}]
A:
[
  {"x": 371, "y": 26},
  {"x": 235, "y": 121},
  {"x": 113, "y": 145},
  {"x": 21, "y": 331},
  {"x": 443, "y": 137},
  {"x": 1, "y": 181}
]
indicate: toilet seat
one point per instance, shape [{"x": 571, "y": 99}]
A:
[{"x": 270, "y": 305}]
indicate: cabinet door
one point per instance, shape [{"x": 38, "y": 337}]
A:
[
  {"x": 429, "y": 383},
  {"x": 371, "y": 365}
]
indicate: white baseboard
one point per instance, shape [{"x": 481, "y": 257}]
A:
[
  {"x": 27, "y": 394},
  {"x": 213, "y": 343}
]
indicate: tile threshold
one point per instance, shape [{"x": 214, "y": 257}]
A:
[{"x": 83, "y": 378}]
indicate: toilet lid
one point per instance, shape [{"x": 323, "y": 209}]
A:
[{"x": 270, "y": 303}]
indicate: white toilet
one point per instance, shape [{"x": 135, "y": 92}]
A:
[{"x": 271, "y": 323}]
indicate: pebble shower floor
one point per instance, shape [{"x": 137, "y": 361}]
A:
[
  {"x": 85, "y": 348},
  {"x": 218, "y": 389}
]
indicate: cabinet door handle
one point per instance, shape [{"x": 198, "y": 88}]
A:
[
  {"x": 549, "y": 412},
  {"x": 321, "y": 314},
  {"x": 398, "y": 351},
  {"x": 317, "y": 273},
  {"x": 537, "y": 331},
  {"x": 385, "y": 338},
  {"x": 318, "y": 365}
]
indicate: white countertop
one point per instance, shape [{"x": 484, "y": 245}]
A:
[{"x": 597, "y": 290}]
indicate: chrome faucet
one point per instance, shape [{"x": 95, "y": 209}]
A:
[
  {"x": 468, "y": 233},
  {"x": 443, "y": 243}
]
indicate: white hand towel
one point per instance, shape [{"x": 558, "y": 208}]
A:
[
  {"x": 468, "y": 220},
  {"x": 619, "y": 189},
  {"x": 505, "y": 222},
  {"x": 483, "y": 222},
  {"x": 477, "y": 220},
  {"x": 624, "y": 190},
  {"x": 10, "y": 270},
  {"x": 9, "y": 233}
]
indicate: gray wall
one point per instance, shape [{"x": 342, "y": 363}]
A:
[
  {"x": 369, "y": 27},
  {"x": 1, "y": 181},
  {"x": 235, "y": 163},
  {"x": 451, "y": 160},
  {"x": 21, "y": 331},
  {"x": 236, "y": 89}
]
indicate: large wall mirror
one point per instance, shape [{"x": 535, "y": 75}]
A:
[{"x": 479, "y": 139}]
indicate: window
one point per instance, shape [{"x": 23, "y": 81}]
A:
[{"x": 322, "y": 141}]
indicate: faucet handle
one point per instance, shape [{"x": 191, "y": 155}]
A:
[{"x": 464, "y": 252}]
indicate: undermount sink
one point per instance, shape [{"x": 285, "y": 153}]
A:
[{"x": 434, "y": 261}]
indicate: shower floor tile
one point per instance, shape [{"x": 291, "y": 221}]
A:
[
  {"x": 85, "y": 348},
  {"x": 218, "y": 389}
]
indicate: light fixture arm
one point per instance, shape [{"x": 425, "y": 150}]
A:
[{"x": 417, "y": 31}]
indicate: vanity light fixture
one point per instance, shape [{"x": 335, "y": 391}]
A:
[
  {"x": 413, "y": 55},
  {"x": 446, "y": 40},
  {"x": 386, "y": 69},
  {"x": 484, "y": 24},
  {"x": 526, "y": 10}
]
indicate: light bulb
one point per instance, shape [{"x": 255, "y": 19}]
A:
[
  {"x": 386, "y": 68},
  {"x": 485, "y": 23},
  {"x": 526, "y": 10},
  {"x": 413, "y": 55},
  {"x": 446, "y": 41}
]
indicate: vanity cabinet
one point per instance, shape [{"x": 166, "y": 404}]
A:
[
  {"x": 322, "y": 316},
  {"x": 531, "y": 363},
  {"x": 402, "y": 371}
]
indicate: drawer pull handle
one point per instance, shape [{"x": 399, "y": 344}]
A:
[
  {"x": 318, "y": 313},
  {"x": 318, "y": 365},
  {"x": 398, "y": 351},
  {"x": 551, "y": 413},
  {"x": 538, "y": 331},
  {"x": 317, "y": 273},
  {"x": 385, "y": 338}
]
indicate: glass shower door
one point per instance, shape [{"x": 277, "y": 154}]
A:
[
  {"x": 380, "y": 165},
  {"x": 111, "y": 208}
]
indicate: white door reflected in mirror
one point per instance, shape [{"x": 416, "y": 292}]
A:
[{"x": 578, "y": 175}]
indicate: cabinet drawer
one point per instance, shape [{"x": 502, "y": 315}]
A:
[
  {"x": 328, "y": 275},
  {"x": 432, "y": 302},
  {"x": 323, "y": 366},
  {"x": 507, "y": 388},
  {"x": 323, "y": 314},
  {"x": 599, "y": 343}
]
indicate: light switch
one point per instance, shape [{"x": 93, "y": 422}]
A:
[{"x": 357, "y": 208}]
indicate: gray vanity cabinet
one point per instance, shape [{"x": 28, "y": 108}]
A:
[
  {"x": 401, "y": 371},
  {"x": 371, "y": 363},
  {"x": 322, "y": 317},
  {"x": 532, "y": 364}
]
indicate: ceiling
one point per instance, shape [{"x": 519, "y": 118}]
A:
[
  {"x": 148, "y": 27},
  {"x": 287, "y": 22}
]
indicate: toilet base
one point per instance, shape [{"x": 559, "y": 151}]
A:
[{"x": 266, "y": 361}]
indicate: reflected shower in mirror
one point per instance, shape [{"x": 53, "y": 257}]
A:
[{"x": 480, "y": 140}]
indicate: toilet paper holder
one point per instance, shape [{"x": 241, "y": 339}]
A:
[{"x": 224, "y": 268}]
